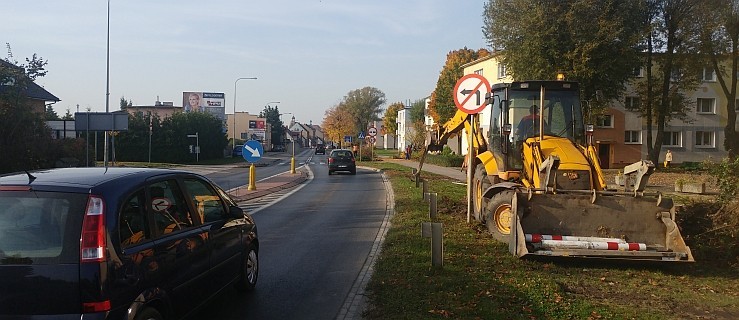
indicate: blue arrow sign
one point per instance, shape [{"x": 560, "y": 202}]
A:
[{"x": 252, "y": 151}]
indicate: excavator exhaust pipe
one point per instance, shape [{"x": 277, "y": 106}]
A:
[{"x": 596, "y": 225}]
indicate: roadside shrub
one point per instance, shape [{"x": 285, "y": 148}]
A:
[
  {"x": 445, "y": 160},
  {"x": 726, "y": 174},
  {"x": 711, "y": 230}
]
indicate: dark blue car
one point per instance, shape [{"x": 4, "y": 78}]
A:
[{"x": 119, "y": 243}]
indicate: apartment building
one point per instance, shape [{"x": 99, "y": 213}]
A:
[{"x": 621, "y": 135}]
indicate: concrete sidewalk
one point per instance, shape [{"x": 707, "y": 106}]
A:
[{"x": 455, "y": 173}]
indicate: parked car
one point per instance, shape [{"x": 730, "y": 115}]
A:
[
  {"x": 238, "y": 150},
  {"x": 320, "y": 149},
  {"x": 119, "y": 243},
  {"x": 341, "y": 160}
]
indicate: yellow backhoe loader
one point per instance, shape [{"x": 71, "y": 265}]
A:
[{"x": 538, "y": 186}]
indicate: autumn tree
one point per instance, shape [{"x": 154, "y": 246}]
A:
[
  {"x": 442, "y": 107},
  {"x": 337, "y": 123}
]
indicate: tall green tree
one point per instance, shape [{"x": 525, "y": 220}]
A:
[
  {"x": 719, "y": 36},
  {"x": 25, "y": 140},
  {"x": 442, "y": 107},
  {"x": 272, "y": 116},
  {"x": 594, "y": 42},
  {"x": 364, "y": 105},
  {"x": 169, "y": 140},
  {"x": 50, "y": 114},
  {"x": 673, "y": 67}
]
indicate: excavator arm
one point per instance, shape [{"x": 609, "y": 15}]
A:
[{"x": 451, "y": 128}]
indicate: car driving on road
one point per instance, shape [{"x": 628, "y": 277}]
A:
[
  {"x": 341, "y": 160},
  {"x": 320, "y": 149},
  {"x": 119, "y": 243}
]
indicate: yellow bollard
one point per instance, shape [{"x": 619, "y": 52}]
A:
[
  {"x": 252, "y": 178},
  {"x": 292, "y": 165}
]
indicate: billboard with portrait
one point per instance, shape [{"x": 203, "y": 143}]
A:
[{"x": 210, "y": 102}]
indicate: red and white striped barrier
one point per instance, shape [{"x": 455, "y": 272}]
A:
[
  {"x": 575, "y": 242},
  {"x": 535, "y": 238}
]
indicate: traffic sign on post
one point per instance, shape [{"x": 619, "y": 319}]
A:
[
  {"x": 252, "y": 151},
  {"x": 470, "y": 92},
  {"x": 347, "y": 138},
  {"x": 360, "y": 135},
  {"x": 372, "y": 131}
]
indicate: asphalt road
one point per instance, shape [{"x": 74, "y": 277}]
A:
[{"x": 315, "y": 246}]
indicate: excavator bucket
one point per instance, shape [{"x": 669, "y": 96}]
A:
[{"x": 596, "y": 225}]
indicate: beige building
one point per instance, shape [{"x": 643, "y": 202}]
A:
[
  {"x": 162, "y": 109},
  {"x": 249, "y": 127}
]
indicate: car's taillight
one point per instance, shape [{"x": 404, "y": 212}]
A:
[
  {"x": 98, "y": 306},
  {"x": 92, "y": 243},
  {"x": 330, "y": 160}
]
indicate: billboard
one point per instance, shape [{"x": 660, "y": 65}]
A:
[{"x": 210, "y": 102}]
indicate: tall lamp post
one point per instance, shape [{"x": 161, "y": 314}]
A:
[
  {"x": 292, "y": 159},
  {"x": 233, "y": 142}
]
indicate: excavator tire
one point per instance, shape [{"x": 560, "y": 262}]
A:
[
  {"x": 499, "y": 215},
  {"x": 479, "y": 185}
]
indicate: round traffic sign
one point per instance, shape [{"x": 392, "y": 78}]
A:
[
  {"x": 469, "y": 93},
  {"x": 252, "y": 151},
  {"x": 372, "y": 131}
]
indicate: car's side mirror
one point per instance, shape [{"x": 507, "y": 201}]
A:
[{"x": 235, "y": 212}]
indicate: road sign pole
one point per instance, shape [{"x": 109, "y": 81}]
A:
[{"x": 292, "y": 160}]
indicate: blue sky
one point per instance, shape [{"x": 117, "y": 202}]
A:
[{"x": 307, "y": 54}]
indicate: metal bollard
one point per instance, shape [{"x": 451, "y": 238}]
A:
[
  {"x": 425, "y": 190},
  {"x": 432, "y": 205},
  {"x": 437, "y": 244}
]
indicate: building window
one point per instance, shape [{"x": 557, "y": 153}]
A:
[
  {"x": 631, "y": 103},
  {"x": 478, "y": 71},
  {"x": 705, "y": 139},
  {"x": 501, "y": 71},
  {"x": 706, "y": 105},
  {"x": 632, "y": 137},
  {"x": 638, "y": 72},
  {"x": 672, "y": 139},
  {"x": 676, "y": 75},
  {"x": 708, "y": 75},
  {"x": 605, "y": 121}
]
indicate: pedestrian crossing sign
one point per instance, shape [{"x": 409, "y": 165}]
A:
[{"x": 361, "y": 135}]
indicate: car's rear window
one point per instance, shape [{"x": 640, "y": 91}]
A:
[
  {"x": 342, "y": 154},
  {"x": 40, "y": 227}
]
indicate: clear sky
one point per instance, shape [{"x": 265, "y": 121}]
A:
[{"x": 306, "y": 54}]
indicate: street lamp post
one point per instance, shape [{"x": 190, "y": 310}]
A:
[
  {"x": 233, "y": 142},
  {"x": 292, "y": 159}
]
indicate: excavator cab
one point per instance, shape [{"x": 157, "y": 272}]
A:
[{"x": 534, "y": 109}]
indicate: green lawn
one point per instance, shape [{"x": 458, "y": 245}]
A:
[{"x": 481, "y": 280}]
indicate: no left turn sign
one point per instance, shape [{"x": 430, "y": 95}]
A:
[{"x": 469, "y": 93}]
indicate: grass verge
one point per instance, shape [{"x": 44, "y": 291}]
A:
[{"x": 481, "y": 280}]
